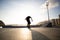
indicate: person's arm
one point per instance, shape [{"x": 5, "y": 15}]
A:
[{"x": 32, "y": 19}]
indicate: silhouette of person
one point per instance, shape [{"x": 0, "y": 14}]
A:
[{"x": 28, "y": 21}]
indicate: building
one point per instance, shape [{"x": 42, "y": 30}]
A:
[
  {"x": 56, "y": 22},
  {"x": 59, "y": 16}
]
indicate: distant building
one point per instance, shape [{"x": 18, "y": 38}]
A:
[
  {"x": 53, "y": 22},
  {"x": 56, "y": 21},
  {"x": 59, "y": 20},
  {"x": 59, "y": 16}
]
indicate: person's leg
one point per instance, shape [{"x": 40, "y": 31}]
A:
[{"x": 28, "y": 24}]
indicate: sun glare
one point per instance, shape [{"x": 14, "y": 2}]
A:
[
  {"x": 25, "y": 34},
  {"x": 17, "y": 13}
]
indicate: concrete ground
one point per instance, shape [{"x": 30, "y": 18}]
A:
[{"x": 39, "y": 33}]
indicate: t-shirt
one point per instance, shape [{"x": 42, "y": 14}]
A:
[{"x": 28, "y": 18}]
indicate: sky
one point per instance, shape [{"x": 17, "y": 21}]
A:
[{"x": 15, "y": 11}]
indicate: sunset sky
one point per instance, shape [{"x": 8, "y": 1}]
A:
[{"x": 15, "y": 11}]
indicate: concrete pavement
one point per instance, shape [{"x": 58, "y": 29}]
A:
[{"x": 39, "y": 33}]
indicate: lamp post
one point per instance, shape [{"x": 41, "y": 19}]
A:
[
  {"x": 49, "y": 23},
  {"x": 47, "y": 4}
]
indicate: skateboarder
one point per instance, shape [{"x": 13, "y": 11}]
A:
[{"x": 28, "y": 21}]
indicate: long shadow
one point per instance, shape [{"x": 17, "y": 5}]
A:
[
  {"x": 9, "y": 26},
  {"x": 32, "y": 26},
  {"x": 38, "y": 36}
]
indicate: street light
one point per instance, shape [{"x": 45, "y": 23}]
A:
[
  {"x": 47, "y": 4},
  {"x": 49, "y": 23}
]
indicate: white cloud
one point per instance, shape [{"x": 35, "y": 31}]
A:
[{"x": 52, "y": 4}]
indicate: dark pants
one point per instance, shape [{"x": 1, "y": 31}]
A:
[{"x": 28, "y": 24}]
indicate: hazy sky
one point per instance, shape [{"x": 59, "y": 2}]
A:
[{"x": 15, "y": 11}]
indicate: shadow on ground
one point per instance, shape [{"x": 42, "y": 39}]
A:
[
  {"x": 9, "y": 26},
  {"x": 38, "y": 36}
]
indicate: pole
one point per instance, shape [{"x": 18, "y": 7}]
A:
[{"x": 48, "y": 11}]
